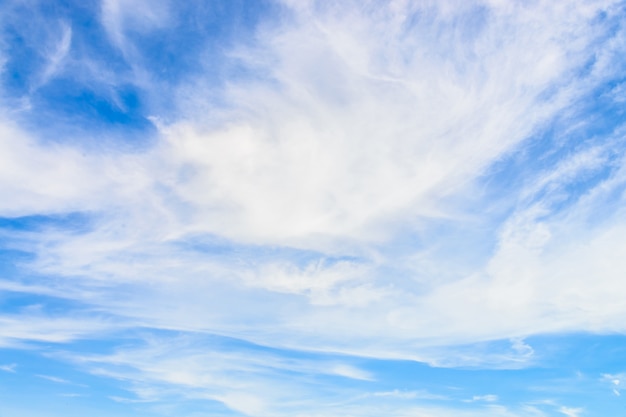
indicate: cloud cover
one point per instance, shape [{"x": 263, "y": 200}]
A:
[{"x": 386, "y": 181}]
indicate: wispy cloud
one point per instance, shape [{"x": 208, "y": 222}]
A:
[
  {"x": 54, "y": 57},
  {"x": 17, "y": 329},
  {"x": 571, "y": 412},
  {"x": 118, "y": 16},
  {"x": 9, "y": 368},
  {"x": 616, "y": 382},
  {"x": 243, "y": 378},
  {"x": 366, "y": 180},
  {"x": 490, "y": 398},
  {"x": 54, "y": 379},
  {"x": 333, "y": 170},
  {"x": 338, "y": 171},
  {"x": 409, "y": 395}
]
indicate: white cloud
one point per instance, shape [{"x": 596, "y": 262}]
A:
[
  {"x": 335, "y": 163},
  {"x": 54, "y": 379},
  {"x": 351, "y": 372},
  {"x": 615, "y": 381},
  {"x": 490, "y": 398},
  {"x": 42, "y": 178},
  {"x": 119, "y": 16},
  {"x": 20, "y": 328},
  {"x": 377, "y": 136},
  {"x": 571, "y": 412},
  {"x": 242, "y": 378},
  {"x": 55, "y": 57},
  {"x": 408, "y": 395},
  {"x": 257, "y": 381}
]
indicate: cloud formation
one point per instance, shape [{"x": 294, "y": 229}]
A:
[{"x": 402, "y": 181}]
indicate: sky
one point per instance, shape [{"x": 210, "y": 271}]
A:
[{"x": 272, "y": 208}]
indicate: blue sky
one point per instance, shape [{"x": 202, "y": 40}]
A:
[{"x": 312, "y": 209}]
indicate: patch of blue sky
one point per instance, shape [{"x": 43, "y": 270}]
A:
[
  {"x": 568, "y": 367},
  {"x": 98, "y": 87},
  {"x": 78, "y": 109},
  {"x": 594, "y": 120},
  {"x": 568, "y": 370},
  {"x": 195, "y": 42},
  {"x": 42, "y": 386},
  {"x": 330, "y": 375},
  {"x": 199, "y": 30},
  {"x": 571, "y": 365},
  {"x": 13, "y": 260},
  {"x": 18, "y": 233},
  {"x": 55, "y": 75},
  {"x": 14, "y": 301},
  {"x": 16, "y": 245},
  {"x": 595, "y": 128},
  {"x": 73, "y": 221},
  {"x": 218, "y": 247}
]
